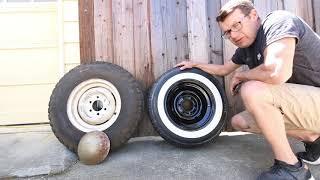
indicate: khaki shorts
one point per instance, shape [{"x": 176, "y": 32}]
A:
[{"x": 299, "y": 104}]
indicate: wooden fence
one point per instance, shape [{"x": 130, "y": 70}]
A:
[{"x": 148, "y": 37}]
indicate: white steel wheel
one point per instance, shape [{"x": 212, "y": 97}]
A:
[{"x": 94, "y": 105}]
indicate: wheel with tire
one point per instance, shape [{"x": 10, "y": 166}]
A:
[
  {"x": 98, "y": 96},
  {"x": 187, "y": 108}
]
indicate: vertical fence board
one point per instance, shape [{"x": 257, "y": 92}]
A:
[
  {"x": 181, "y": 31},
  {"x": 170, "y": 23},
  {"x": 86, "y": 26},
  {"x": 142, "y": 50},
  {"x": 103, "y": 30},
  {"x": 301, "y": 8},
  {"x": 157, "y": 38},
  {"x": 198, "y": 30},
  {"x": 265, "y": 7},
  {"x": 123, "y": 34},
  {"x": 316, "y": 10},
  {"x": 162, "y": 36},
  {"x": 215, "y": 40},
  {"x": 142, "y": 54}
]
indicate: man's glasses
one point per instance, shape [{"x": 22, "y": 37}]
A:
[{"x": 234, "y": 28}]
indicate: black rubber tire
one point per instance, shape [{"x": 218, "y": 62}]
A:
[
  {"x": 132, "y": 104},
  {"x": 158, "y": 122}
]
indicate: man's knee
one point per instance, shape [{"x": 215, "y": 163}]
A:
[
  {"x": 239, "y": 123},
  {"x": 255, "y": 92}
]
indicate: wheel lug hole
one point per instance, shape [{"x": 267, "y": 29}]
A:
[
  {"x": 105, "y": 109},
  {"x": 90, "y": 110},
  {"x": 98, "y": 114}
]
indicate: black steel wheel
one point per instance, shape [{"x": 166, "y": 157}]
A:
[{"x": 187, "y": 108}]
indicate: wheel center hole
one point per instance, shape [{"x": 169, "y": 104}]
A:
[
  {"x": 187, "y": 105},
  {"x": 97, "y": 105}
]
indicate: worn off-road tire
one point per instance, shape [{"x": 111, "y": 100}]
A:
[{"x": 98, "y": 96}]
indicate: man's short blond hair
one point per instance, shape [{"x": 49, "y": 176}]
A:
[{"x": 244, "y": 5}]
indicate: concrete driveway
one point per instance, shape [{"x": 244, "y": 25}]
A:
[{"x": 35, "y": 154}]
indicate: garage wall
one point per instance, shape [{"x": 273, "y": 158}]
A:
[
  {"x": 71, "y": 34},
  {"x": 39, "y": 42}
]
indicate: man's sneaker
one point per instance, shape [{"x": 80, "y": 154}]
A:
[
  {"x": 284, "y": 171},
  {"x": 312, "y": 153}
]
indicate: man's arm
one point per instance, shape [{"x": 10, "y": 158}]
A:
[
  {"x": 215, "y": 69},
  {"x": 277, "y": 66}
]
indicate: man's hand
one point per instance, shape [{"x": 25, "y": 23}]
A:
[
  {"x": 235, "y": 84},
  {"x": 185, "y": 65}
]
